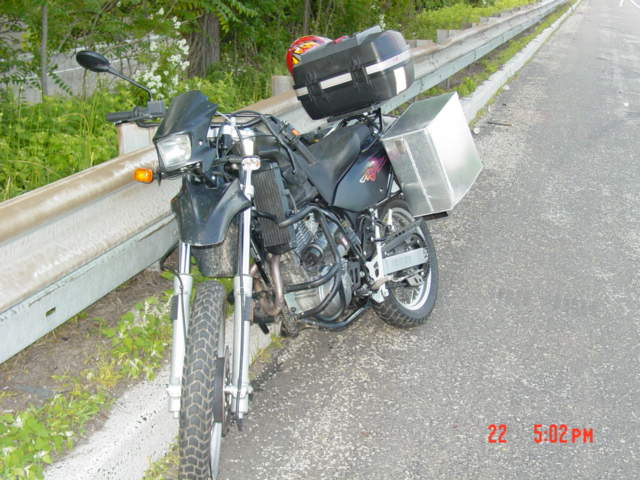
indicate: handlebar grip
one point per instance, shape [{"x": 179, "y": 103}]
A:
[{"x": 116, "y": 117}]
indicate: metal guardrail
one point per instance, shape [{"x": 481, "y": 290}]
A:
[{"x": 65, "y": 245}]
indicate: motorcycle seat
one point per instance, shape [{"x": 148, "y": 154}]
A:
[{"x": 334, "y": 154}]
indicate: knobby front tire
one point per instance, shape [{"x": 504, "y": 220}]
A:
[{"x": 199, "y": 437}]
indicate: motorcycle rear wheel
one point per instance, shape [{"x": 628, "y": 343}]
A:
[
  {"x": 200, "y": 437},
  {"x": 408, "y": 306}
]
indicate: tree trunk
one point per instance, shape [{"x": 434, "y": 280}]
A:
[
  {"x": 43, "y": 52},
  {"x": 204, "y": 45},
  {"x": 307, "y": 17}
]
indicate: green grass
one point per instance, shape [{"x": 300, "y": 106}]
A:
[
  {"x": 41, "y": 143},
  {"x": 44, "y": 142},
  {"x": 159, "y": 469},
  {"x": 426, "y": 24},
  {"x": 31, "y": 438},
  {"x": 494, "y": 61}
]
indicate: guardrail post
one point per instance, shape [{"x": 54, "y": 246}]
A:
[
  {"x": 281, "y": 84},
  {"x": 421, "y": 43},
  {"x": 442, "y": 35},
  {"x": 131, "y": 137}
]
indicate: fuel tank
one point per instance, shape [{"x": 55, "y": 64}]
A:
[{"x": 366, "y": 182}]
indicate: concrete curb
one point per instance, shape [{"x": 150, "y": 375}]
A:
[
  {"x": 475, "y": 102},
  {"x": 139, "y": 430}
]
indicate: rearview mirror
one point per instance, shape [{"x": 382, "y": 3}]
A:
[
  {"x": 98, "y": 63},
  {"x": 93, "y": 61}
]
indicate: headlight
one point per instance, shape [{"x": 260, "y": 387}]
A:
[{"x": 174, "y": 151}]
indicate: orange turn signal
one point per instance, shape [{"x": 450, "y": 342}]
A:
[
  {"x": 144, "y": 175},
  {"x": 295, "y": 132}
]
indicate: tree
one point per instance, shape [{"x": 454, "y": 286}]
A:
[
  {"x": 34, "y": 31},
  {"x": 44, "y": 60},
  {"x": 204, "y": 22},
  {"x": 306, "y": 17},
  {"x": 204, "y": 44}
]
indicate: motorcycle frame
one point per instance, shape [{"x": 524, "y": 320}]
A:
[{"x": 238, "y": 387}]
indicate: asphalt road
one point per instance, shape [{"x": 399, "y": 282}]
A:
[{"x": 537, "y": 320}]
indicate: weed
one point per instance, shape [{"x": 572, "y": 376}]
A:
[
  {"x": 44, "y": 142},
  {"x": 31, "y": 438},
  {"x": 158, "y": 470},
  {"x": 426, "y": 24},
  {"x": 7, "y": 394},
  {"x": 492, "y": 63}
]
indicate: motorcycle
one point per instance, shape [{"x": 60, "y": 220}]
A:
[{"x": 314, "y": 229}]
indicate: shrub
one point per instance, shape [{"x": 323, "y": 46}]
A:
[{"x": 41, "y": 143}]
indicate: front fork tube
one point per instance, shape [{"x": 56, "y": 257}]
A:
[
  {"x": 182, "y": 285},
  {"x": 239, "y": 389},
  {"x": 242, "y": 291}
]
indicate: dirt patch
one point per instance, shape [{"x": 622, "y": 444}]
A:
[{"x": 27, "y": 378}]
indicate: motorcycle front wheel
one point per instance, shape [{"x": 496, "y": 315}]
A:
[
  {"x": 412, "y": 295},
  {"x": 200, "y": 437}
]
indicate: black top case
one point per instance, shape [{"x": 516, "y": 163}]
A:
[{"x": 354, "y": 73}]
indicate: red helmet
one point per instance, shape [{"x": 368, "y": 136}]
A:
[{"x": 302, "y": 45}]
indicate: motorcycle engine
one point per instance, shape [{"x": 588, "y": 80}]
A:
[{"x": 312, "y": 258}]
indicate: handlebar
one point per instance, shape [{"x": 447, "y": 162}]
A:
[
  {"x": 118, "y": 117},
  {"x": 154, "y": 109}
]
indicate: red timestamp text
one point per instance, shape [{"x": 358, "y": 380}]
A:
[
  {"x": 497, "y": 433},
  {"x": 562, "y": 433},
  {"x": 552, "y": 433}
]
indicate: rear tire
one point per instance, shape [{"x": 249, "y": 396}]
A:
[
  {"x": 200, "y": 437},
  {"x": 399, "y": 309}
]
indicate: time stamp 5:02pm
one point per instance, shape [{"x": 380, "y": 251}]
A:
[{"x": 552, "y": 433}]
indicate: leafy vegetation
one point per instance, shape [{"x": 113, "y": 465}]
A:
[
  {"x": 39, "y": 29},
  {"x": 32, "y": 438},
  {"x": 425, "y": 24},
  {"x": 41, "y": 143},
  {"x": 159, "y": 470},
  {"x": 492, "y": 62}
]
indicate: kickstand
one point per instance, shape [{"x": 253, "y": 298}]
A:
[{"x": 263, "y": 322}]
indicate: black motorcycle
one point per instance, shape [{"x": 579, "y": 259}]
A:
[{"x": 314, "y": 229}]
